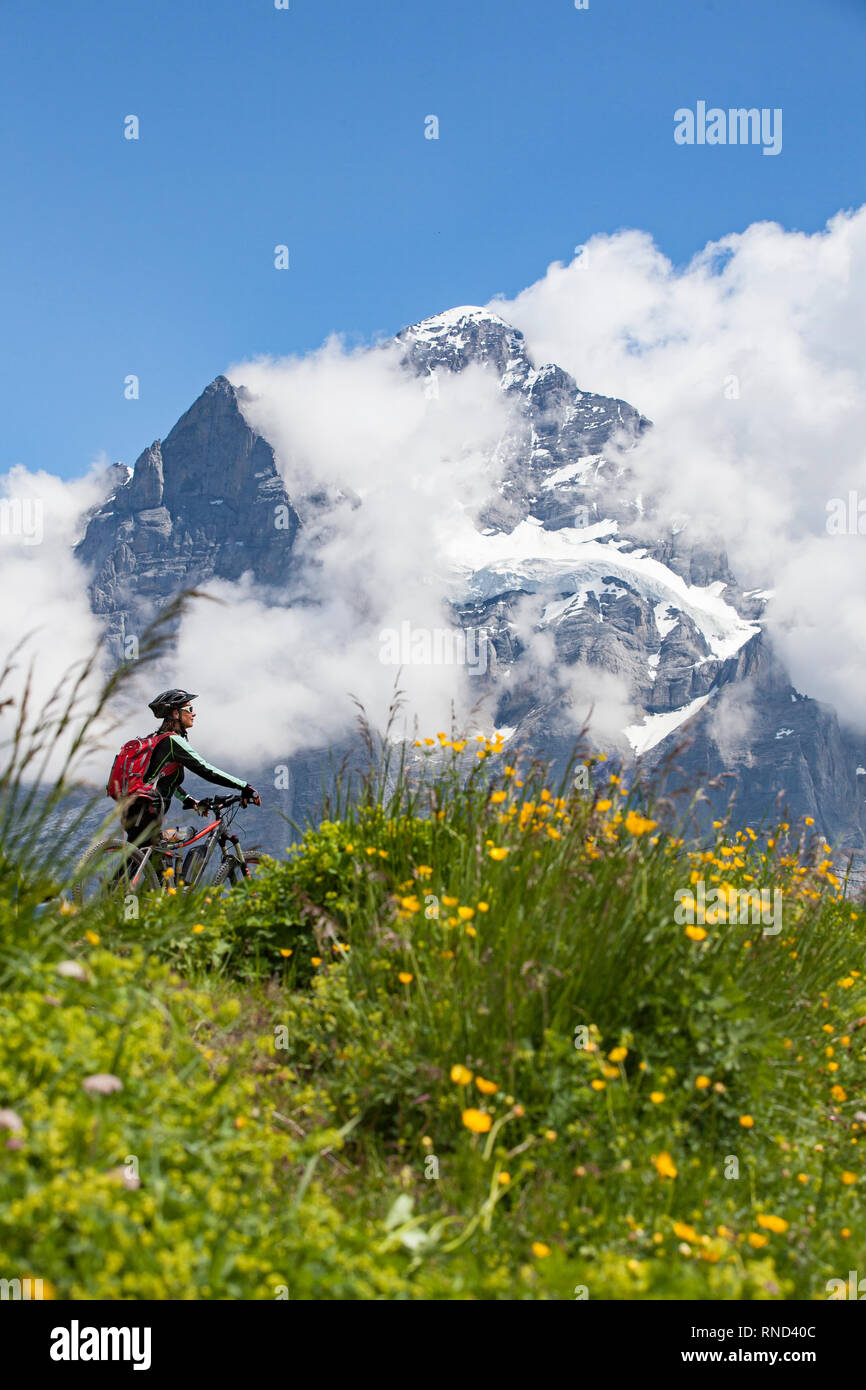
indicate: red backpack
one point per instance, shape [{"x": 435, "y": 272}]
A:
[{"x": 127, "y": 771}]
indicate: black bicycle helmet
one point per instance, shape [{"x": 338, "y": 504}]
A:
[{"x": 163, "y": 705}]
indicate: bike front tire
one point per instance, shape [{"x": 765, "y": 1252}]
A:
[{"x": 230, "y": 871}]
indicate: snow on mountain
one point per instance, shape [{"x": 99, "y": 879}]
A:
[
  {"x": 656, "y": 727},
  {"x": 533, "y": 559}
]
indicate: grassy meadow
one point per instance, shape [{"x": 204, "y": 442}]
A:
[{"x": 454, "y": 1045}]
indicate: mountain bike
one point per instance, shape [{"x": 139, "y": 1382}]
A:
[{"x": 182, "y": 857}]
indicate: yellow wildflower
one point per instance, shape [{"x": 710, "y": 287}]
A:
[
  {"x": 664, "y": 1165},
  {"x": 773, "y": 1223},
  {"x": 477, "y": 1120}
]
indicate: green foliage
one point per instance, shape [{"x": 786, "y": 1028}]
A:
[{"x": 456, "y": 1045}]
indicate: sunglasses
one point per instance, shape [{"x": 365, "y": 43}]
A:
[{"x": 187, "y": 709}]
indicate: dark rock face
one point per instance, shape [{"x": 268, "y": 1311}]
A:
[
  {"x": 207, "y": 503},
  {"x": 789, "y": 757},
  {"x": 664, "y": 617}
]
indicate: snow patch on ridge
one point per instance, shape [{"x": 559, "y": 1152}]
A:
[
  {"x": 656, "y": 727},
  {"x": 453, "y": 318},
  {"x": 574, "y": 472}
]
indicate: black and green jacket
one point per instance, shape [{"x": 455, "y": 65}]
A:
[{"x": 170, "y": 759}]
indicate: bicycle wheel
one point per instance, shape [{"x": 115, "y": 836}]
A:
[
  {"x": 230, "y": 872},
  {"x": 112, "y": 866}
]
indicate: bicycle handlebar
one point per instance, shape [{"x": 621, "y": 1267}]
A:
[{"x": 219, "y": 803}]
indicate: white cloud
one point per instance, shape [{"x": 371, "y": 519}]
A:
[
  {"x": 600, "y": 701},
  {"x": 352, "y": 421},
  {"x": 751, "y": 362},
  {"x": 43, "y": 586},
  {"x": 732, "y": 718}
]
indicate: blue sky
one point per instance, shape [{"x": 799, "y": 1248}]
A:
[{"x": 306, "y": 127}]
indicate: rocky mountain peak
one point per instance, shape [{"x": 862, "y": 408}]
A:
[
  {"x": 207, "y": 502},
  {"x": 465, "y": 335}
]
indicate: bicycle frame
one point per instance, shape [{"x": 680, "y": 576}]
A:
[{"x": 216, "y": 833}]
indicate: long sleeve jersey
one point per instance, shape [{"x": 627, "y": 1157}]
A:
[{"x": 173, "y": 749}]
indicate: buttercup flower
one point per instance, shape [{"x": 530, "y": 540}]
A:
[
  {"x": 773, "y": 1223},
  {"x": 477, "y": 1120},
  {"x": 664, "y": 1165}
]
